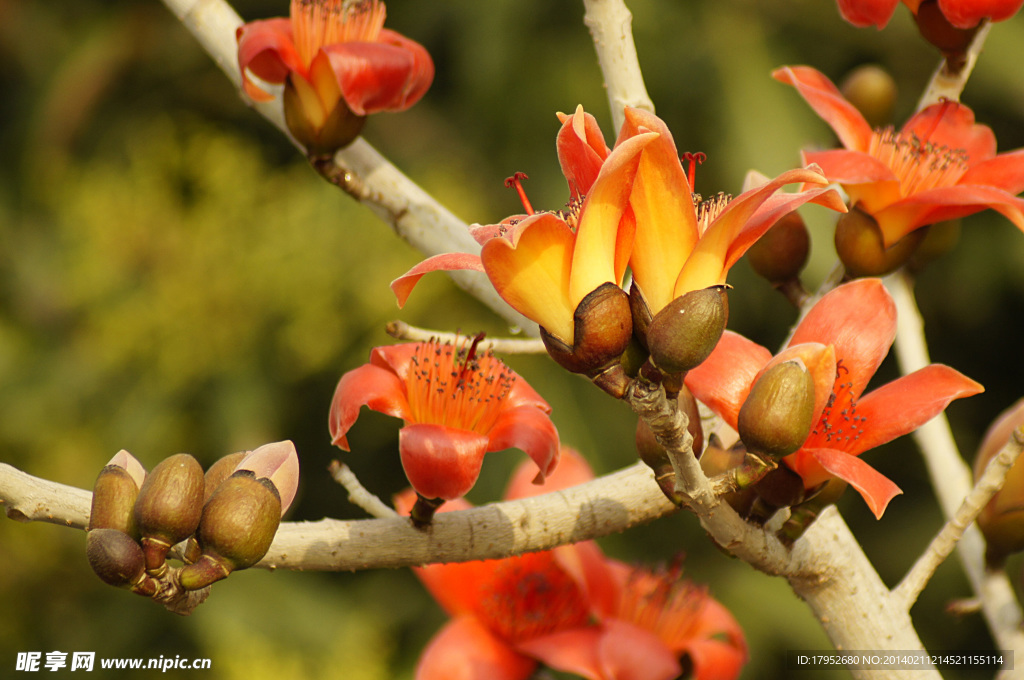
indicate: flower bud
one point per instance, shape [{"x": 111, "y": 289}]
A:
[
  {"x": 278, "y": 463},
  {"x": 781, "y": 253},
  {"x": 777, "y": 416},
  {"x": 114, "y": 556},
  {"x": 321, "y": 132},
  {"x": 114, "y": 494},
  {"x": 238, "y": 525},
  {"x": 860, "y": 246},
  {"x": 1002, "y": 519},
  {"x": 603, "y": 327},
  {"x": 686, "y": 330},
  {"x": 169, "y": 506},
  {"x": 219, "y": 471},
  {"x": 872, "y": 90},
  {"x": 781, "y": 488}
]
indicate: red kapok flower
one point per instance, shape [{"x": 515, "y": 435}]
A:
[
  {"x": 939, "y": 166},
  {"x": 457, "y": 406},
  {"x": 573, "y": 610},
  {"x": 563, "y": 269},
  {"x": 338, "y": 63},
  {"x": 962, "y": 14},
  {"x": 858, "y": 322},
  {"x": 680, "y": 245}
]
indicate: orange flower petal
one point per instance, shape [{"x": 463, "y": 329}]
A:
[
  {"x": 530, "y": 271},
  {"x": 372, "y": 386},
  {"x": 267, "y": 49},
  {"x": 581, "y": 151},
  {"x": 828, "y": 102},
  {"x": 599, "y": 238},
  {"x": 723, "y": 380},
  {"x": 529, "y": 429},
  {"x": 876, "y": 489},
  {"x": 664, "y": 211},
  {"x": 445, "y": 262}
]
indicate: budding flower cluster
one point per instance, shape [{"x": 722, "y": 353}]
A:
[{"x": 227, "y": 517}]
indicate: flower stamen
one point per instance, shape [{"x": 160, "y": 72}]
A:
[
  {"x": 452, "y": 386},
  {"x": 317, "y": 23},
  {"x": 694, "y": 159},
  {"x": 918, "y": 163},
  {"x": 516, "y": 182}
]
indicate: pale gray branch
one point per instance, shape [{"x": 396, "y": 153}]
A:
[
  {"x": 947, "y": 85},
  {"x": 403, "y": 331}
]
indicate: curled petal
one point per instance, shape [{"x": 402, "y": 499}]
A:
[
  {"x": 967, "y": 15},
  {"x": 465, "y": 650},
  {"x": 859, "y": 320},
  {"x": 267, "y": 49},
  {"x": 530, "y": 271},
  {"x": 445, "y": 262},
  {"x": 907, "y": 403},
  {"x": 571, "y": 651},
  {"x": 876, "y": 489},
  {"x": 441, "y": 462},
  {"x": 372, "y": 386},
  {"x": 739, "y": 226},
  {"x": 581, "y": 151},
  {"x": 380, "y": 76},
  {"x": 529, "y": 429},
  {"x": 826, "y": 100}
]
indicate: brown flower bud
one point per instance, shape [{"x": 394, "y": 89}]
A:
[
  {"x": 114, "y": 494},
  {"x": 684, "y": 333},
  {"x": 237, "y": 527},
  {"x": 220, "y": 471},
  {"x": 860, "y": 247},
  {"x": 302, "y": 109},
  {"x": 781, "y": 488},
  {"x": 781, "y": 253},
  {"x": 169, "y": 506},
  {"x": 1002, "y": 519},
  {"x": 872, "y": 90},
  {"x": 777, "y": 416},
  {"x": 603, "y": 327},
  {"x": 114, "y": 556},
  {"x": 939, "y": 239}
]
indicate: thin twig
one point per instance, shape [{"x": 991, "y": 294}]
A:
[
  {"x": 943, "y": 543},
  {"x": 357, "y": 493},
  {"x": 951, "y": 478},
  {"x": 403, "y": 331},
  {"x": 610, "y": 23},
  {"x": 946, "y": 85}
]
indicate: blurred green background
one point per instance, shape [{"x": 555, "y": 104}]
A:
[{"x": 173, "y": 277}]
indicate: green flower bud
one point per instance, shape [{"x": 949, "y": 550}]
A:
[
  {"x": 684, "y": 333},
  {"x": 781, "y": 253},
  {"x": 169, "y": 506},
  {"x": 237, "y": 527},
  {"x": 860, "y": 247},
  {"x": 603, "y": 327},
  {"x": 872, "y": 90},
  {"x": 114, "y": 556},
  {"x": 777, "y": 416},
  {"x": 114, "y": 494}
]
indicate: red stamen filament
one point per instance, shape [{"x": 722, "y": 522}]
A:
[
  {"x": 515, "y": 182},
  {"x": 694, "y": 159},
  {"x": 840, "y": 425}
]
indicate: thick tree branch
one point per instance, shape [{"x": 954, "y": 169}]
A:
[{"x": 945, "y": 84}]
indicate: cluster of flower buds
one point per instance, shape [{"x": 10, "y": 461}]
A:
[
  {"x": 227, "y": 518},
  {"x": 1002, "y": 519}
]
